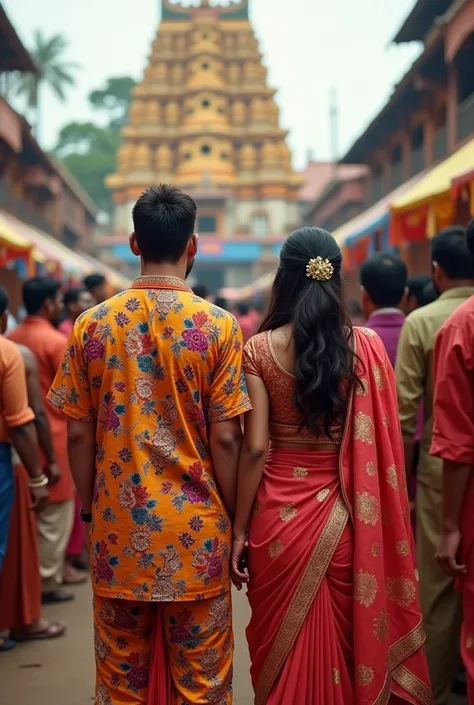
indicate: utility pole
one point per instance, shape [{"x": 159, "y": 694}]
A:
[{"x": 334, "y": 129}]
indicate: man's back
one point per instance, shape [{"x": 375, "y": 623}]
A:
[
  {"x": 154, "y": 365},
  {"x": 388, "y": 325}
]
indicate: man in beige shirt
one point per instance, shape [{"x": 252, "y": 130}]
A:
[{"x": 453, "y": 277}]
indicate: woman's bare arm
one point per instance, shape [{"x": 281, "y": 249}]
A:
[{"x": 253, "y": 455}]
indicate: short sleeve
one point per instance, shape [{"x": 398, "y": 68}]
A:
[
  {"x": 70, "y": 391},
  {"x": 250, "y": 359},
  {"x": 453, "y": 414},
  {"x": 228, "y": 392},
  {"x": 13, "y": 390}
]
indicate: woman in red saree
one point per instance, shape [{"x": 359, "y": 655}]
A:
[{"x": 331, "y": 578}]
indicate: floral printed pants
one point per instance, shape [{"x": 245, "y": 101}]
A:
[{"x": 192, "y": 643}]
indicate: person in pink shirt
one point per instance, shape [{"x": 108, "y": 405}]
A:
[{"x": 76, "y": 301}]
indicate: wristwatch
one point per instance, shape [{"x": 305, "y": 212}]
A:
[{"x": 86, "y": 517}]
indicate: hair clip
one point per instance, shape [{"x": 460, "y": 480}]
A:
[{"x": 319, "y": 269}]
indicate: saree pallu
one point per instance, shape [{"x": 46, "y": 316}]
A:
[{"x": 333, "y": 584}]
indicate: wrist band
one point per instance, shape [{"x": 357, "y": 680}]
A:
[{"x": 37, "y": 482}]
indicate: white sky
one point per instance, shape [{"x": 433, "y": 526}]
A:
[{"x": 308, "y": 46}]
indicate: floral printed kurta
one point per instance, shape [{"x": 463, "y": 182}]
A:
[{"x": 154, "y": 366}]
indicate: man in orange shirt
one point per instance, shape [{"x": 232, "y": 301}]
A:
[
  {"x": 43, "y": 302},
  {"x": 153, "y": 387}
]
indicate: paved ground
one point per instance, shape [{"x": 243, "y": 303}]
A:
[{"x": 61, "y": 672}]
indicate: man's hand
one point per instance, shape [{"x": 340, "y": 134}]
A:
[
  {"x": 39, "y": 497},
  {"x": 53, "y": 473},
  {"x": 240, "y": 573},
  {"x": 446, "y": 554}
]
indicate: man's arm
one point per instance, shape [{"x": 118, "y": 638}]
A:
[
  {"x": 81, "y": 453},
  {"x": 453, "y": 435},
  {"x": 71, "y": 393},
  {"x": 225, "y": 440},
  {"x": 228, "y": 401},
  {"x": 410, "y": 371},
  {"x": 19, "y": 419},
  {"x": 35, "y": 400}
]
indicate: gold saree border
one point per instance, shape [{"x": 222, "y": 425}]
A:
[
  {"x": 302, "y": 599},
  {"x": 399, "y": 652},
  {"x": 413, "y": 685}
]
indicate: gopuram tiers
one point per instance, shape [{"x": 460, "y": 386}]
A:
[{"x": 204, "y": 118}]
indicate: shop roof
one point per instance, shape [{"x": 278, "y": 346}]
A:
[{"x": 13, "y": 54}]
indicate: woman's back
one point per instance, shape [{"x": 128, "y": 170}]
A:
[{"x": 270, "y": 356}]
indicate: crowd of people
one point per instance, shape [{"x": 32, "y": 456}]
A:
[
  {"x": 42, "y": 538},
  {"x": 209, "y": 447}
]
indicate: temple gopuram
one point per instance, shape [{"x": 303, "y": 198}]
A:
[{"x": 204, "y": 118}]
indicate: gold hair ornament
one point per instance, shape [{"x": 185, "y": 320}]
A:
[{"x": 319, "y": 269}]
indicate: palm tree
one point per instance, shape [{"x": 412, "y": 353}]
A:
[{"x": 55, "y": 73}]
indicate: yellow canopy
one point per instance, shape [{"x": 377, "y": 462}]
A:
[
  {"x": 9, "y": 238},
  {"x": 438, "y": 180}
]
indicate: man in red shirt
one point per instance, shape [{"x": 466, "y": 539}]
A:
[
  {"x": 43, "y": 302},
  {"x": 453, "y": 442}
]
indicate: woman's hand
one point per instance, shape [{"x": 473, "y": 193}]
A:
[{"x": 240, "y": 573}]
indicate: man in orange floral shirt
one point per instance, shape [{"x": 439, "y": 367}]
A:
[{"x": 153, "y": 389}]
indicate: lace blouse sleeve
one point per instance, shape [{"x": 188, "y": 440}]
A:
[{"x": 250, "y": 362}]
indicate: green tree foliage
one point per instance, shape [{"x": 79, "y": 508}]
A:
[
  {"x": 114, "y": 99},
  {"x": 89, "y": 150},
  {"x": 56, "y": 73}
]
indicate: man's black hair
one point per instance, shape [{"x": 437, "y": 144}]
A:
[
  {"x": 221, "y": 302},
  {"x": 449, "y": 249},
  {"x": 243, "y": 308},
  {"x": 416, "y": 285},
  {"x": 470, "y": 237},
  {"x": 201, "y": 290},
  {"x": 37, "y": 291},
  {"x": 163, "y": 219},
  {"x": 354, "y": 309},
  {"x": 384, "y": 277},
  {"x": 428, "y": 295},
  {"x": 72, "y": 296},
  {"x": 3, "y": 300},
  {"x": 92, "y": 281}
]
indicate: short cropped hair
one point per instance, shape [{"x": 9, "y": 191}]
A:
[
  {"x": 37, "y": 291},
  {"x": 449, "y": 249},
  {"x": 384, "y": 277},
  {"x": 72, "y": 296},
  {"x": 416, "y": 285},
  {"x": 470, "y": 237},
  {"x": 163, "y": 219},
  {"x": 92, "y": 281},
  {"x": 3, "y": 300}
]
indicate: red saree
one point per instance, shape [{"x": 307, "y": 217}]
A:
[{"x": 335, "y": 614}]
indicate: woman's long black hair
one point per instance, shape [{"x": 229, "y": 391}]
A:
[{"x": 322, "y": 332}]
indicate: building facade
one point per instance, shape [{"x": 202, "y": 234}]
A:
[
  {"x": 204, "y": 118},
  {"x": 430, "y": 114}
]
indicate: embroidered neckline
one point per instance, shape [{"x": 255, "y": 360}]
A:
[{"x": 160, "y": 282}]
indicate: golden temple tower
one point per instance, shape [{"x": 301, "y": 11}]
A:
[{"x": 204, "y": 118}]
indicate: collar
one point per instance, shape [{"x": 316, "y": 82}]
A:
[
  {"x": 457, "y": 292},
  {"x": 38, "y": 321},
  {"x": 161, "y": 282},
  {"x": 389, "y": 310}
]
